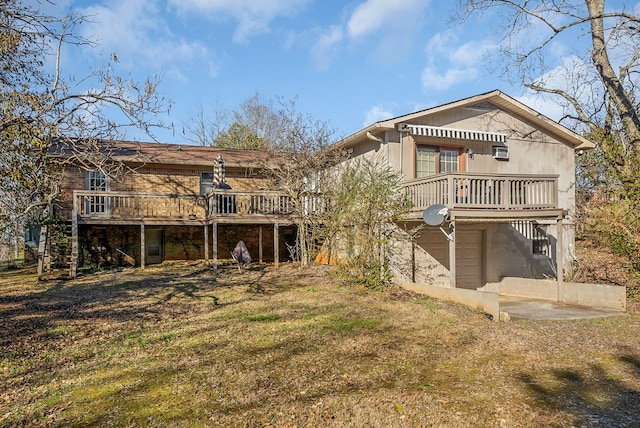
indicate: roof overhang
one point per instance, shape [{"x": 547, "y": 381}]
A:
[{"x": 497, "y": 98}]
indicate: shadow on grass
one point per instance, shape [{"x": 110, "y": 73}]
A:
[
  {"x": 274, "y": 353},
  {"x": 119, "y": 296},
  {"x": 595, "y": 397},
  {"x": 261, "y": 378}
]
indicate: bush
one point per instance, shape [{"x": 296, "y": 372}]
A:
[{"x": 615, "y": 224}]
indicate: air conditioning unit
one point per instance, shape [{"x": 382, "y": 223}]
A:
[{"x": 501, "y": 152}]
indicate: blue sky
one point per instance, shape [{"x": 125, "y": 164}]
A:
[{"x": 348, "y": 62}]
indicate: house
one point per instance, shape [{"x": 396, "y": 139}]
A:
[
  {"x": 506, "y": 176},
  {"x": 172, "y": 202},
  {"x": 498, "y": 176}
]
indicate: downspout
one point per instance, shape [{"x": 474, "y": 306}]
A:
[
  {"x": 401, "y": 153},
  {"x": 388, "y": 153}
]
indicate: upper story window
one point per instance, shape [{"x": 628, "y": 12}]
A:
[
  {"x": 432, "y": 160},
  {"x": 206, "y": 182},
  {"x": 96, "y": 181}
]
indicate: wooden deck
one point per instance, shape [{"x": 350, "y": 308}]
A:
[
  {"x": 471, "y": 195},
  {"x": 218, "y": 205},
  {"x": 484, "y": 195}
]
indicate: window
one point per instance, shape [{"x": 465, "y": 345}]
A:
[
  {"x": 206, "y": 182},
  {"x": 448, "y": 160},
  {"x": 432, "y": 160},
  {"x": 426, "y": 161},
  {"x": 97, "y": 182}
]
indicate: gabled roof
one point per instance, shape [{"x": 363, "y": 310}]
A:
[
  {"x": 179, "y": 154},
  {"x": 495, "y": 97}
]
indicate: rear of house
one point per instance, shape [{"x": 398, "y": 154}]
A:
[
  {"x": 172, "y": 202},
  {"x": 506, "y": 175}
]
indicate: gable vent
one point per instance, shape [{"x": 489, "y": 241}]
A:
[{"x": 458, "y": 134}]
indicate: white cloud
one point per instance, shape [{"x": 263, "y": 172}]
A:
[
  {"x": 472, "y": 53},
  {"x": 574, "y": 76},
  {"x": 448, "y": 64},
  {"x": 136, "y": 32},
  {"x": 393, "y": 22},
  {"x": 253, "y": 17},
  {"x": 325, "y": 45},
  {"x": 545, "y": 105},
  {"x": 375, "y": 114},
  {"x": 434, "y": 80},
  {"x": 372, "y": 15}
]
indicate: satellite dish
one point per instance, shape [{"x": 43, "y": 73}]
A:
[{"x": 436, "y": 215}]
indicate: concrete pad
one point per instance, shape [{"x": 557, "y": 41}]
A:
[{"x": 534, "y": 309}]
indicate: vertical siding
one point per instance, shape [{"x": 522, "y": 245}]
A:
[{"x": 530, "y": 151}]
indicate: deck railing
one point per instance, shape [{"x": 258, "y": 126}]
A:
[
  {"x": 225, "y": 203},
  {"x": 455, "y": 190},
  {"x": 483, "y": 191},
  {"x": 217, "y": 203},
  {"x": 132, "y": 205}
]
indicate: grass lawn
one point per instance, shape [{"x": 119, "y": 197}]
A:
[{"x": 177, "y": 346}]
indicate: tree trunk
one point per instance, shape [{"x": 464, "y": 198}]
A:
[{"x": 619, "y": 96}]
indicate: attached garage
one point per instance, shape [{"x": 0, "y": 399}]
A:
[
  {"x": 469, "y": 259},
  {"x": 470, "y": 244}
]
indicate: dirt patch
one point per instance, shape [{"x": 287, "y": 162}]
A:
[{"x": 181, "y": 345}]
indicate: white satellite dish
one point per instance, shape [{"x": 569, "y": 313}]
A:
[{"x": 437, "y": 215}]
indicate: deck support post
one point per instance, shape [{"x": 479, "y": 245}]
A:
[
  {"x": 74, "y": 244},
  {"x": 42, "y": 250},
  {"x": 560, "y": 258},
  {"x": 276, "y": 246},
  {"x": 452, "y": 261},
  {"x": 214, "y": 243},
  {"x": 142, "y": 246},
  {"x": 206, "y": 243},
  {"x": 260, "y": 245}
]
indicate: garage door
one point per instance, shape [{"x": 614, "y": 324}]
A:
[{"x": 469, "y": 262}]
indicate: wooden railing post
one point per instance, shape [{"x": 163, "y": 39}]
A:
[
  {"x": 75, "y": 202},
  {"x": 505, "y": 192},
  {"x": 451, "y": 200}
]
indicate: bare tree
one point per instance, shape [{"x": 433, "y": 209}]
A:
[
  {"x": 360, "y": 227},
  {"x": 303, "y": 158},
  {"x": 598, "y": 86},
  {"x": 44, "y": 113},
  {"x": 205, "y": 131},
  {"x": 252, "y": 125}
]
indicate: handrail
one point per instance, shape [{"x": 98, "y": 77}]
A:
[
  {"x": 483, "y": 191},
  {"x": 481, "y": 174},
  {"x": 125, "y": 205},
  {"x": 218, "y": 202}
]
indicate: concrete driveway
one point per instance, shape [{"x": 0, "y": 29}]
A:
[{"x": 534, "y": 309}]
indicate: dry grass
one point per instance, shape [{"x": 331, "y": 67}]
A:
[{"x": 177, "y": 346}]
